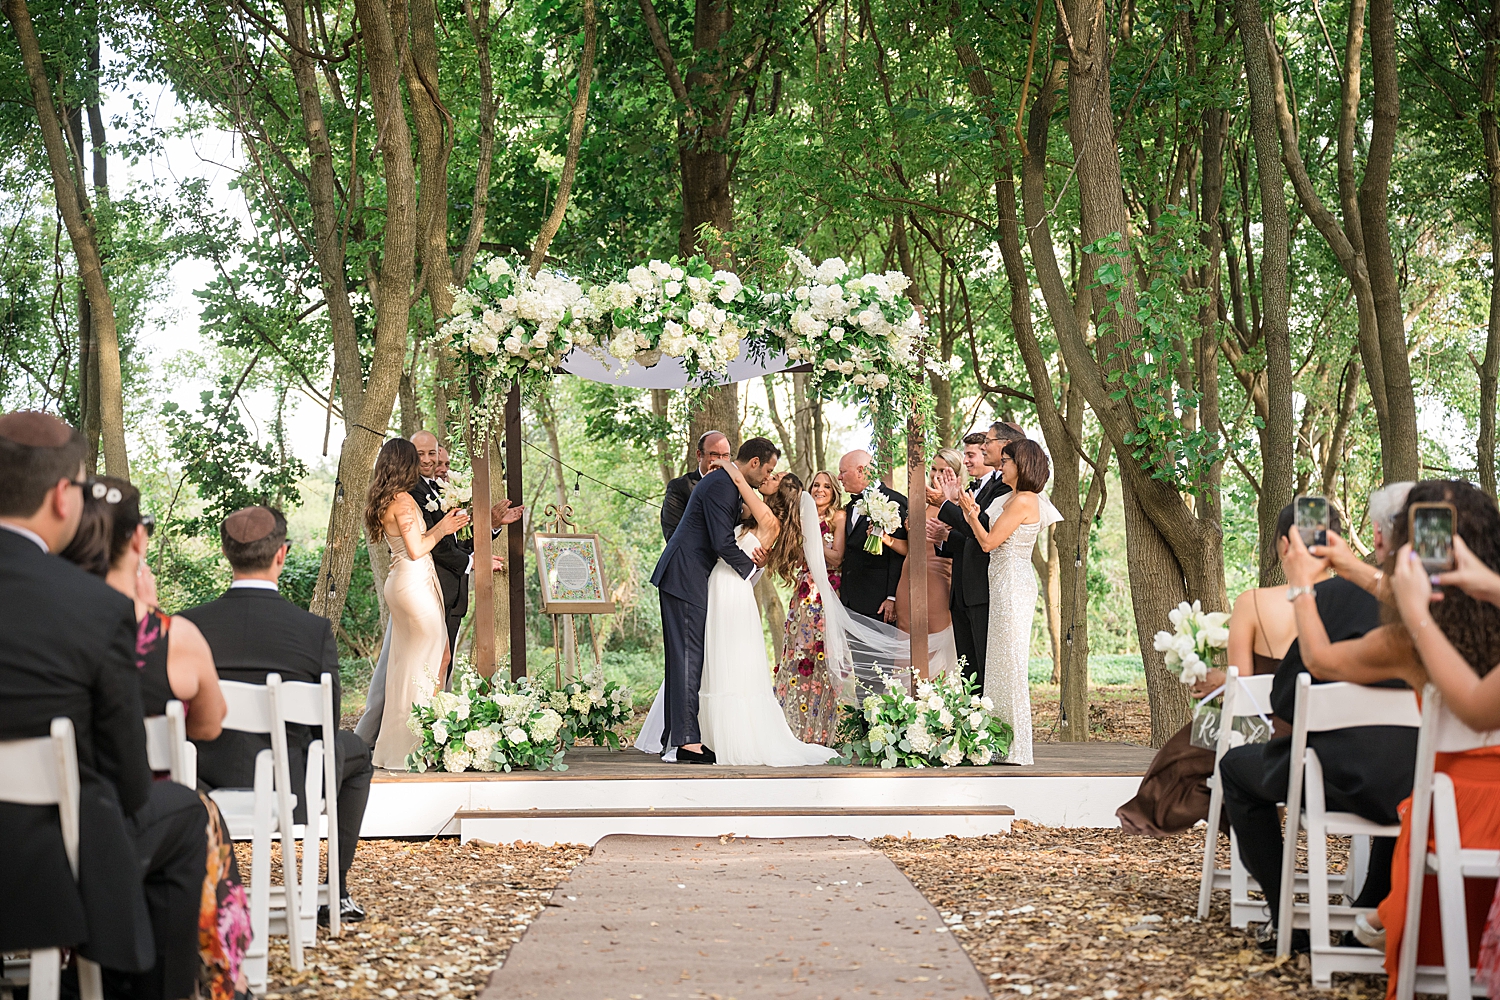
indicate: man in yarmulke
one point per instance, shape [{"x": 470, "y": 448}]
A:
[{"x": 254, "y": 631}]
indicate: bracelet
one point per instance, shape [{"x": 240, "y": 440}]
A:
[{"x": 1292, "y": 593}]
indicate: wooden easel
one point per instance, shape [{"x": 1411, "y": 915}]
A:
[{"x": 558, "y": 520}]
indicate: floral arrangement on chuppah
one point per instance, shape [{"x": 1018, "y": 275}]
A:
[
  {"x": 509, "y": 325},
  {"x": 593, "y": 709},
  {"x": 858, "y": 331},
  {"x": 486, "y": 725},
  {"x": 947, "y": 724}
]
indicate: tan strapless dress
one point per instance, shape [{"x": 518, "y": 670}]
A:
[{"x": 419, "y": 632}]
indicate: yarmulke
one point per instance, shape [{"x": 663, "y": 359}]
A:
[
  {"x": 35, "y": 429},
  {"x": 249, "y": 524}
]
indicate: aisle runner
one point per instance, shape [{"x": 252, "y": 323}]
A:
[{"x": 662, "y": 917}]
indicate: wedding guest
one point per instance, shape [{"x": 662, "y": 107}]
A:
[
  {"x": 1454, "y": 642},
  {"x": 71, "y": 652},
  {"x": 254, "y": 631},
  {"x": 1385, "y": 504},
  {"x": 1174, "y": 792},
  {"x": 173, "y": 658},
  {"x": 174, "y": 662},
  {"x": 939, "y": 578},
  {"x": 713, "y": 447},
  {"x": 1366, "y": 770},
  {"x": 804, "y": 683},
  {"x": 969, "y": 602},
  {"x": 1015, "y": 521},
  {"x": 454, "y": 561},
  {"x": 869, "y": 581}
]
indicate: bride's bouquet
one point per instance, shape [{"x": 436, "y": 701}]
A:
[
  {"x": 486, "y": 725},
  {"x": 947, "y": 724},
  {"x": 884, "y": 514}
]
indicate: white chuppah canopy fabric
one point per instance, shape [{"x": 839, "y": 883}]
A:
[{"x": 667, "y": 373}]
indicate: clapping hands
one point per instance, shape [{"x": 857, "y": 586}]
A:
[
  {"x": 948, "y": 485},
  {"x": 503, "y": 513}
]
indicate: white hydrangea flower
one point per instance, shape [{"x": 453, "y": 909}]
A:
[
  {"x": 456, "y": 758},
  {"x": 953, "y": 756}
]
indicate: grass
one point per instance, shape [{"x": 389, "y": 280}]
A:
[{"x": 1105, "y": 670}]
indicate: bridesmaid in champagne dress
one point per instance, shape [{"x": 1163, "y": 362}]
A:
[
  {"x": 1016, "y": 519},
  {"x": 419, "y": 631}
]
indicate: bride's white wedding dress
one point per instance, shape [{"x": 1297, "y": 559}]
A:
[{"x": 738, "y": 714}]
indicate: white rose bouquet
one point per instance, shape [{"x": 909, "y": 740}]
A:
[
  {"x": 453, "y": 492},
  {"x": 947, "y": 724},
  {"x": 486, "y": 725},
  {"x": 684, "y": 310},
  {"x": 884, "y": 514},
  {"x": 858, "y": 330},
  {"x": 592, "y": 708},
  {"x": 514, "y": 326},
  {"x": 1195, "y": 636}
]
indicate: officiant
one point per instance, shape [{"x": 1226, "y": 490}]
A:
[
  {"x": 452, "y": 559},
  {"x": 713, "y": 447}
]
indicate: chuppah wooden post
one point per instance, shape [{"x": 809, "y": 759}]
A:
[
  {"x": 916, "y": 545},
  {"x": 516, "y": 537},
  {"x": 484, "y": 578}
]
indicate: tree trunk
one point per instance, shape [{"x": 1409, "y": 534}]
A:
[
  {"x": 1277, "y": 438},
  {"x": 1044, "y": 561},
  {"x": 808, "y": 462},
  {"x": 367, "y": 411},
  {"x": 660, "y": 399},
  {"x": 1489, "y": 368},
  {"x": 1374, "y": 210},
  {"x": 72, "y": 206}
]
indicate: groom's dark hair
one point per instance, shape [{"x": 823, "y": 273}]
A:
[{"x": 760, "y": 448}]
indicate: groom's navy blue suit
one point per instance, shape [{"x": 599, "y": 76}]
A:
[{"x": 703, "y": 536}]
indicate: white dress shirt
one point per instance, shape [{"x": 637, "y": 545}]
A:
[{"x": 254, "y": 585}]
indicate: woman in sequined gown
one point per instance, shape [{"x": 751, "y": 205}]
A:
[
  {"x": 1016, "y": 519},
  {"x": 804, "y": 683}
]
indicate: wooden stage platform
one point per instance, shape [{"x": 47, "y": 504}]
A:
[{"x": 604, "y": 792}]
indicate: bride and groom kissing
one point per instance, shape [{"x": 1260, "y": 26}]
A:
[{"x": 716, "y": 704}]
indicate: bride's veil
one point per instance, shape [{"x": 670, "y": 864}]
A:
[{"x": 862, "y": 653}]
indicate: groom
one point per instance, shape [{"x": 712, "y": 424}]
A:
[{"x": 703, "y": 537}]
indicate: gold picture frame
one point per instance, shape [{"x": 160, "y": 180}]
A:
[{"x": 571, "y": 569}]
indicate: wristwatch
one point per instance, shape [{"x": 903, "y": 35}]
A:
[{"x": 1292, "y": 593}]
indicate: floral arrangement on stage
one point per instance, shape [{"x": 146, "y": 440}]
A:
[
  {"x": 684, "y": 310},
  {"x": 486, "y": 725},
  {"x": 858, "y": 331},
  {"x": 592, "y": 708},
  {"x": 884, "y": 514},
  {"x": 947, "y": 724},
  {"x": 1195, "y": 635},
  {"x": 509, "y": 325}
]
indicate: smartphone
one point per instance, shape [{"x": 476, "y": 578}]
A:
[
  {"x": 1431, "y": 534},
  {"x": 1312, "y": 520}
]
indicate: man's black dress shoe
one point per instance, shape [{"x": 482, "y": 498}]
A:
[
  {"x": 350, "y": 912},
  {"x": 704, "y": 756},
  {"x": 1266, "y": 940}
]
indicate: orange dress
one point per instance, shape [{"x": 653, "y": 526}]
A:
[{"x": 1476, "y": 788}]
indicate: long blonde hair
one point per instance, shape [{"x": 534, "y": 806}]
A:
[{"x": 834, "y": 488}]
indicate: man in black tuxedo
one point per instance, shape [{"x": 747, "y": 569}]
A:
[
  {"x": 703, "y": 537},
  {"x": 254, "y": 631},
  {"x": 868, "y": 582},
  {"x": 969, "y": 597},
  {"x": 70, "y": 651},
  {"x": 1366, "y": 770},
  {"x": 713, "y": 447}
]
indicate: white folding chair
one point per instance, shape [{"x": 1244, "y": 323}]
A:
[
  {"x": 167, "y": 746},
  {"x": 1433, "y": 806},
  {"x": 301, "y": 703},
  {"x": 1326, "y": 708},
  {"x": 257, "y": 814},
  {"x": 44, "y": 772},
  {"x": 1243, "y": 697}
]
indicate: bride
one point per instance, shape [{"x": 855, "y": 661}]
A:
[{"x": 738, "y": 713}]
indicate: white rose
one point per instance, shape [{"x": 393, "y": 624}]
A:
[
  {"x": 976, "y": 719},
  {"x": 729, "y": 287},
  {"x": 676, "y": 274},
  {"x": 483, "y": 344},
  {"x": 988, "y": 703},
  {"x": 493, "y": 321},
  {"x": 660, "y": 268},
  {"x": 846, "y": 367},
  {"x": 439, "y": 733},
  {"x": 836, "y": 334},
  {"x": 879, "y": 381},
  {"x": 671, "y": 289},
  {"x": 517, "y": 735},
  {"x": 641, "y": 279}
]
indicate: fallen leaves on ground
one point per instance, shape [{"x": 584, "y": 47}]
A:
[
  {"x": 1094, "y": 915},
  {"x": 441, "y": 917}
]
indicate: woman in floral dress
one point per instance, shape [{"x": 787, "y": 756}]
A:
[{"x": 806, "y": 689}]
